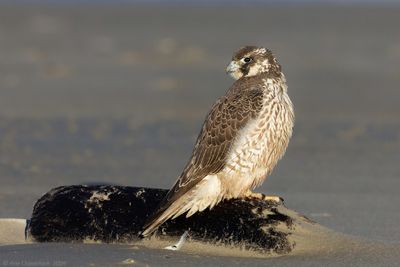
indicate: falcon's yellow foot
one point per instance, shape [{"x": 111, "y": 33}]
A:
[{"x": 261, "y": 196}]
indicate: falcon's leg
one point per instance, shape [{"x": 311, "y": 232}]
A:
[{"x": 251, "y": 194}]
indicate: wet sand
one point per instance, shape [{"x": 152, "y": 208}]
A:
[{"x": 104, "y": 94}]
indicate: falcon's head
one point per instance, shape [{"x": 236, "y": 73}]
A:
[{"x": 251, "y": 61}]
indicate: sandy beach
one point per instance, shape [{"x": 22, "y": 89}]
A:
[{"x": 117, "y": 94}]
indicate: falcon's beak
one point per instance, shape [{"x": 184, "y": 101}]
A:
[
  {"x": 234, "y": 70},
  {"x": 232, "y": 67}
]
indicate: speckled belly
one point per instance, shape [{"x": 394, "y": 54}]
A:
[{"x": 257, "y": 150}]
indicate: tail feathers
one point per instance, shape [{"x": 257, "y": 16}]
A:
[
  {"x": 206, "y": 194},
  {"x": 189, "y": 203},
  {"x": 198, "y": 205},
  {"x": 173, "y": 211}
]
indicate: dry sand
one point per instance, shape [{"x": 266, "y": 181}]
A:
[{"x": 12, "y": 231}]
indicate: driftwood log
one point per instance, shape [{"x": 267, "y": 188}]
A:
[{"x": 110, "y": 213}]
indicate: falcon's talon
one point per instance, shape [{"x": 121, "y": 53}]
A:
[
  {"x": 250, "y": 194},
  {"x": 261, "y": 196},
  {"x": 277, "y": 199}
]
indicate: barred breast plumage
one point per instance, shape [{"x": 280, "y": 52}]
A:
[
  {"x": 243, "y": 137},
  {"x": 262, "y": 142}
]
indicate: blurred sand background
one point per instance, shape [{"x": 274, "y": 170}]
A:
[{"x": 117, "y": 94}]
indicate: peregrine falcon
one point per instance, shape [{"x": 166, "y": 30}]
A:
[{"x": 243, "y": 136}]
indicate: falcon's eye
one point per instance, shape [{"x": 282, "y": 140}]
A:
[{"x": 247, "y": 59}]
